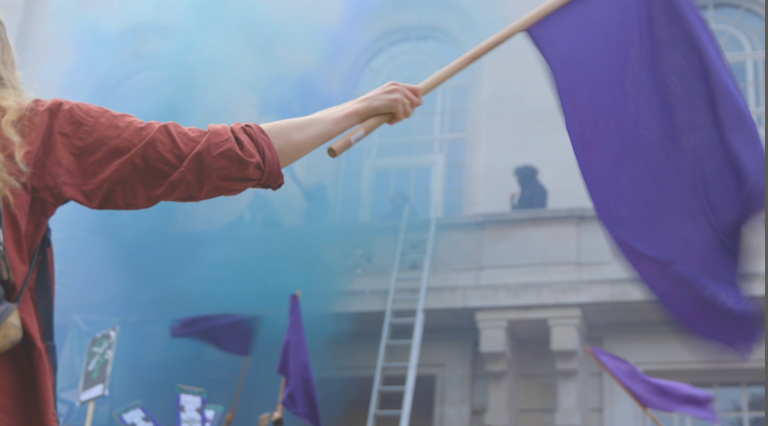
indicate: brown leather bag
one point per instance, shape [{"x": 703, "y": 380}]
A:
[{"x": 11, "y": 331}]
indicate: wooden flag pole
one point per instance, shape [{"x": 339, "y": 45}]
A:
[
  {"x": 457, "y": 66},
  {"x": 89, "y": 415},
  {"x": 277, "y": 416},
  {"x": 241, "y": 384},
  {"x": 647, "y": 411}
]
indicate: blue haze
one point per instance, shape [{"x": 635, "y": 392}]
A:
[{"x": 194, "y": 63}]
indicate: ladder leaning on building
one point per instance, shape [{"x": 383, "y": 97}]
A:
[{"x": 412, "y": 265}]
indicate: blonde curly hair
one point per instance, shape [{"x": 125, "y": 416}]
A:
[{"x": 12, "y": 108}]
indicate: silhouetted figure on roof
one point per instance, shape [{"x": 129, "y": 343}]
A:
[
  {"x": 397, "y": 206},
  {"x": 260, "y": 214},
  {"x": 533, "y": 195}
]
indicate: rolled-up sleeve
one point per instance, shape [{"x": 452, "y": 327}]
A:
[{"x": 119, "y": 162}]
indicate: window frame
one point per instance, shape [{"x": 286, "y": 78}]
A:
[
  {"x": 440, "y": 137},
  {"x": 746, "y": 414},
  {"x": 751, "y": 57},
  {"x": 370, "y": 166}
]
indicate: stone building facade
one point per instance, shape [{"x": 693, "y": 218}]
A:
[{"x": 514, "y": 299}]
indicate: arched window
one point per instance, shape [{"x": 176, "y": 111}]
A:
[
  {"x": 422, "y": 158},
  {"x": 740, "y": 29}
]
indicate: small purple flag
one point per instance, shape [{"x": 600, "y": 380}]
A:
[
  {"x": 296, "y": 366},
  {"x": 658, "y": 394},
  {"x": 668, "y": 149},
  {"x": 230, "y": 333}
]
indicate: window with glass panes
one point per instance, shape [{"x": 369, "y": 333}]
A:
[
  {"x": 402, "y": 158},
  {"x": 740, "y": 29},
  {"x": 738, "y": 404}
]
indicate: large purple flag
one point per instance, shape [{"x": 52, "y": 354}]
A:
[
  {"x": 658, "y": 394},
  {"x": 230, "y": 333},
  {"x": 296, "y": 366},
  {"x": 668, "y": 149}
]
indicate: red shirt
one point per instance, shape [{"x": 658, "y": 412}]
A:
[{"x": 105, "y": 160}]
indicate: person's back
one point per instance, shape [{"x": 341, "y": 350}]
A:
[
  {"x": 397, "y": 204},
  {"x": 533, "y": 194}
]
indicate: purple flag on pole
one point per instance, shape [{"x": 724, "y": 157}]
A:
[
  {"x": 668, "y": 149},
  {"x": 296, "y": 366},
  {"x": 657, "y": 394},
  {"x": 230, "y": 333}
]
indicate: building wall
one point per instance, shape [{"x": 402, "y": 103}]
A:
[
  {"x": 538, "y": 287},
  {"x": 519, "y": 122},
  {"x": 447, "y": 357},
  {"x": 514, "y": 116},
  {"x": 522, "y": 259}
]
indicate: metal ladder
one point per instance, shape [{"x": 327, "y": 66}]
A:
[{"x": 412, "y": 265}]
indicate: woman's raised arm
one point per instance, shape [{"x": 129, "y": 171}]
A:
[
  {"x": 116, "y": 161},
  {"x": 295, "y": 138}
]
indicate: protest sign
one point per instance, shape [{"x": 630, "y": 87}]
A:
[
  {"x": 213, "y": 414},
  {"x": 97, "y": 370},
  {"x": 191, "y": 406}
]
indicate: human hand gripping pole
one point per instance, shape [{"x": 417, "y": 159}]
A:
[{"x": 440, "y": 77}]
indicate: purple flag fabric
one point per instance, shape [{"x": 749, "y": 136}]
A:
[
  {"x": 658, "y": 394},
  {"x": 230, "y": 333},
  {"x": 296, "y": 366},
  {"x": 668, "y": 149}
]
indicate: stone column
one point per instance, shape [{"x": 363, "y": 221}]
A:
[
  {"x": 567, "y": 345},
  {"x": 496, "y": 349}
]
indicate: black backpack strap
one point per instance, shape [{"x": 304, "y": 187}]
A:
[
  {"x": 6, "y": 276},
  {"x": 43, "y": 289},
  {"x": 41, "y": 249},
  {"x": 44, "y": 293},
  {"x": 45, "y": 296}
]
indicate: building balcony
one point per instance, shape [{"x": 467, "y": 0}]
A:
[{"x": 519, "y": 259}]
